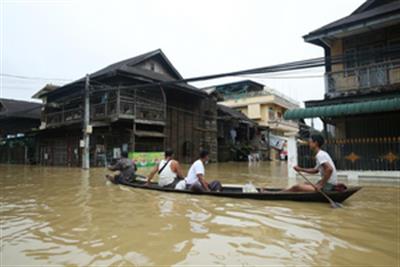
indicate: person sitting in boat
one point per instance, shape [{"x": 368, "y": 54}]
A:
[
  {"x": 124, "y": 170},
  {"x": 195, "y": 180},
  {"x": 324, "y": 166},
  {"x": 169, "y": 171}
]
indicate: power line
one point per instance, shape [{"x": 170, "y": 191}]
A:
[
  {"x": 285, "y": 67},
  {"x": 33, "y": 78},
  {"x": 282, "y": 77}
]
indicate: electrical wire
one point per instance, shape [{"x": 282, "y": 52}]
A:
[
  {"x": 299, "y": 65},
  {"x": 33, "y": 78}
]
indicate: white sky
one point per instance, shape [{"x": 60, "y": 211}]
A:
[{"x": 67, "y": 39}]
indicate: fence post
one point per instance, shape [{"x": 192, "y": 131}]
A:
[{"x": 292, "y": 154}]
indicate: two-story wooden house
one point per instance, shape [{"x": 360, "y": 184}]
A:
[
  {"x": 361, "y": 108},
  {"x": 128, "y": 112}
]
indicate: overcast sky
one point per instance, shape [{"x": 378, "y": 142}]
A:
[{"x": 67, "y": 39}]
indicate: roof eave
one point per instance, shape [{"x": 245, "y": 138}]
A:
[{"x": 317, "y": 37}]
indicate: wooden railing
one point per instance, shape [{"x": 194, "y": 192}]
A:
[
  {"x": 64, "y": 116},
  {"x": 358, "y": 153},
  {"x": 140, "y": 110}
]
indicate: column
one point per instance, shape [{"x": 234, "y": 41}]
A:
[{"x": 292, "y": 154}]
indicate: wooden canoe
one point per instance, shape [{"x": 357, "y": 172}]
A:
[{"x": 232, "y": 191}]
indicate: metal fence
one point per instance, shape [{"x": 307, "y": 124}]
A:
[{"x": 378, "y": 154}]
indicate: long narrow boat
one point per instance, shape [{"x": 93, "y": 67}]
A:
[{"x": 232, "y": 191}]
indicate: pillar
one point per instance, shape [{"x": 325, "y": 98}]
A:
[{"x": 292, "y": 154}]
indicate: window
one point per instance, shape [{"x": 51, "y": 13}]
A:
[
  {"x": 393, "y": 49},
  {"x": 350, "y": 60},
  {"x": 271, "y": 114}
]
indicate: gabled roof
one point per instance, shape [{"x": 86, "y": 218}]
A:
[
  {"x": 130, "y": 66},
  {"x": 370, "y": 4},
  {"x": 131, "y": 62},
  {"x": 46, "y": 89},
  {"x": 388, "y": 10},
  {"x": 19, "y": 109}
]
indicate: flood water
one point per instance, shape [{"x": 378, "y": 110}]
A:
[{"x": 69, "y": 217}]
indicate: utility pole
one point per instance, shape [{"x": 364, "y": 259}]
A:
[{"x": 86, "y": 127}]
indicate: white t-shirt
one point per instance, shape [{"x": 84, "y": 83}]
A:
[
  {"x": 196, "y": 168},
  {"x": 321, "y": 158},
  {"x": 167, "y": 176}
]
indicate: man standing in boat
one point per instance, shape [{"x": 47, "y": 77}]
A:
[
  {"x": 324, "y": 166},
  {"x": 124, "y": 170},
  {"x": 169, "y": 171},
  {"x": 195, "y": 180}
]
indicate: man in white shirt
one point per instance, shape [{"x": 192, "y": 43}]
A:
[
  {"x": 169, "y": 171},
  {"x": 195, "y": 180},
  {"x": 324, "y": 166}
]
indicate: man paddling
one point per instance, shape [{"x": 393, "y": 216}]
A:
[
  {"x": 169, "y": 171},
  {"x": 124, "y": 170},
  {"x": 324, "y": 166},
  {"x": 195, "y": 180}
]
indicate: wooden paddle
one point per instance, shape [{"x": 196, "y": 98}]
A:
[{"x": 333, "y": 203}]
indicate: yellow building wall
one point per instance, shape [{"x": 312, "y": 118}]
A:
[{"x": 254, "y": 111}]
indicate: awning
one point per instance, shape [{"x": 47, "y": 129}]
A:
[{"x": 338, "y": 110}]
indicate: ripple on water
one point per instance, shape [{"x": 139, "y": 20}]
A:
[{"x": 62, "y": 216}]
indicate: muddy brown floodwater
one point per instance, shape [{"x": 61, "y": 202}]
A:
[{"x": 65, "y": 216}]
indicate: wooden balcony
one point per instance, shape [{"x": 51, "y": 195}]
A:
[{"x": 110, "y": 111}]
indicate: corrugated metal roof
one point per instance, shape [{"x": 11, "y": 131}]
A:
[
  {"x": 235, "y": 114},
  {"x": 373, "y": 106},
  {"x": 19, "y": 109}
]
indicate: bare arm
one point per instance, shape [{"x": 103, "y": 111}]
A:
[
  {"x": 151, "y": 175},
  {"x": 306, "y": 170},
  {"x": 176, "y": 167},
  {"x": 115, "y": 167},
  {"x": 203, "y": 181},
  {"x": 327, "y": 173}
]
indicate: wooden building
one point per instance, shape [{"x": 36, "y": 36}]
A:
[
  {"x": 361, "y": 108},
  {"x": 17, "y": 121},
  {"x": 129, "y": 111}
]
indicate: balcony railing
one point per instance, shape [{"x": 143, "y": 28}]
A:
[
  {"x": 365, "y": 77},
  {"x": 128, "y": 109},
  {"x": 64, "y": 116}
]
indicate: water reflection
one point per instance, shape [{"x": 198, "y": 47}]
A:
[{"x": 63, "y": 216}]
